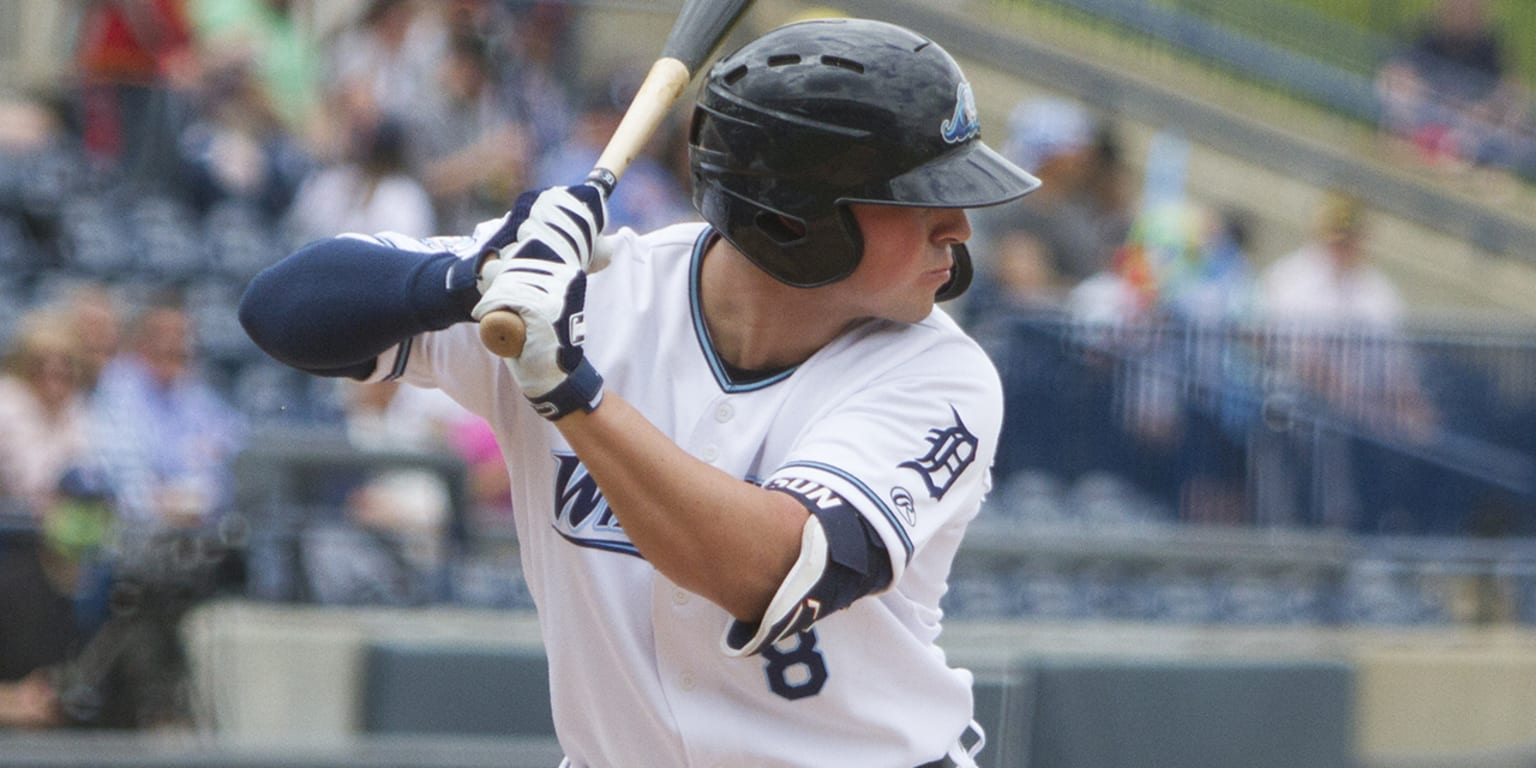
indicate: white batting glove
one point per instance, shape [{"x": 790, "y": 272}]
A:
[
  {"x": 540, "y": 274},
  {"x": 553, "y": 370},
  {"x": 568, "y": 220}
]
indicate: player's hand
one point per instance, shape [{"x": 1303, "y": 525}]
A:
[
  {"x": 567, "y": 221},
  {"x": 550, "y": 296}
]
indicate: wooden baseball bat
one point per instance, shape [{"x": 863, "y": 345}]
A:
[{"x": 700, "y": 26}]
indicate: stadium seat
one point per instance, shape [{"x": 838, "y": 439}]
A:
[
  {"x": 240, "y": 240},
  {"x": 167, "y": 229}
]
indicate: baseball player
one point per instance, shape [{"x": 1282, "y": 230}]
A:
[{"x": 744, "y": 451}]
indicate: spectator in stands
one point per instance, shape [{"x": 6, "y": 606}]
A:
[
  {"x": 94, "y": 320},
  {"x": 164, "y": 437},
  {"x": 1452, "y": 94},
  {"x": 87, "y": 640},
  {"x": 1180, "y": 260},
  {"x": 651, "y": 195},
  {"x": 1059, "y": 139},
  {"x": 534, "y": 73},
  {"x": 53, "y": 599},
  {"x": 1187, "y": 261},
  {"x": 42, "y": 406},
  {"x": 395, "y": 416},
  {"x": 50, "y": 604},
  {"x": 238, "y": 148},
  {"x": 374, "y": 191},
  {"x": 1111, "y": 190},
  {"x": 471, "y": 151},
  {"x": 1334, "y": 324},
  {"x": 136, "y": 60},
  {"x": 1166, "y": 309},
  {"x": 1330, "y": 281},
  {"x": 490, "y": 487},
  {"x": 1021, "y": 279},
  {"x": 392, "y": 521},
  {"x": 384, "y": 65},
  {"x": 390, "y": 416},
  {"x": 484, "y": 20},
  {"x": 265, "y": 38}
]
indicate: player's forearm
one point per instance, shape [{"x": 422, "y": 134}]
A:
[
  {"x": 708, "y": 532},
  {"x": 333, "y": 306}
]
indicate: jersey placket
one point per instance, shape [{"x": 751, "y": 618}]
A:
[
  {"x": 715, "y": 432},
  {"x": 688, "y": 627}
]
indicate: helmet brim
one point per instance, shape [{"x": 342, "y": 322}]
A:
[{"x": 973, "y": 176}]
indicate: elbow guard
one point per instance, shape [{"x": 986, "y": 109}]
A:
[{"x": 841, "y": 560}]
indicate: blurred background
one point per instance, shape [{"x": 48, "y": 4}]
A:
[{"x": 1266, "y": 494}]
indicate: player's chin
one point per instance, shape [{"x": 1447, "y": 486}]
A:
[
  {"x": 919, "y": 315},
  {"x": 915, "y": 309}
]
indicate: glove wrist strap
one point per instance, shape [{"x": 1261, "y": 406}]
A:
[{"x": 582, "y": 390}]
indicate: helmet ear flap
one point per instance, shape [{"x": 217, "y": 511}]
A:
[{"x": 782, "y": 229}]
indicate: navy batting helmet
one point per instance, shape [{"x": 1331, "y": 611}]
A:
[{"x": 812, "y": 116}]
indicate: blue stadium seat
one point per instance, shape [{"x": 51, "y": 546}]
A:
[
  {"x": 212, "y": 304},
  {"x": 240, "y": 240},
  {"x": 167, "y": 230},
  {"x": 98, "y": 240}
]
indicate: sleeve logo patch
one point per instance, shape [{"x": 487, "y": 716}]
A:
[
  {"x": 901, "y": 499},
  {"x": 950, "y": 451}
]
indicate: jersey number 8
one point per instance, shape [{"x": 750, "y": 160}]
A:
[{"x": 798, "y": 671}]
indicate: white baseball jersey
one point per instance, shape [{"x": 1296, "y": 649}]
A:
[{"x": 900, "y": 420}]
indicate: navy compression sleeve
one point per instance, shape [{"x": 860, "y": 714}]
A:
[{"x": 335, "y": 305}]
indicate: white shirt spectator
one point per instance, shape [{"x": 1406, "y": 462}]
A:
[{"x": 1307, "y": 286}]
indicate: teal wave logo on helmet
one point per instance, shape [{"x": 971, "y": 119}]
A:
[{"x": 964, "y": 125}]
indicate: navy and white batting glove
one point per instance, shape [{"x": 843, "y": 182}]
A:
[
  {"x": 550, "y": 296},
  {"x": 567, "y": 220}
]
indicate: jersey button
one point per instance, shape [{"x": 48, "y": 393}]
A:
[
  {"x": 710, "y": 453},
  {"x": 725, "y": 413},
  {"x": 679, "y": 597},
  {"x": 686, "y": 680}
]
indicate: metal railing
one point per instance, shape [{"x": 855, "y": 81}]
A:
[{"x": 1401, "y": 433}]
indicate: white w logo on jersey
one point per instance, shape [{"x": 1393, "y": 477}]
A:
[{"x": 582, "y": 515}]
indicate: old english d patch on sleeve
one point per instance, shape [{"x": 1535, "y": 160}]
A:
[{"x": 950, "y": 451}]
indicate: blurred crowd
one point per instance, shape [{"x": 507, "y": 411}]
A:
[
  {"x": 1141, "y": 337},
  {"x": 1451, "y": 97},
  {"x": 199, "y": 140}
]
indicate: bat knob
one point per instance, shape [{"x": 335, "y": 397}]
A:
[
  {"x": 503, "y": 333},
  {"x": 603, "y": 179}
]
